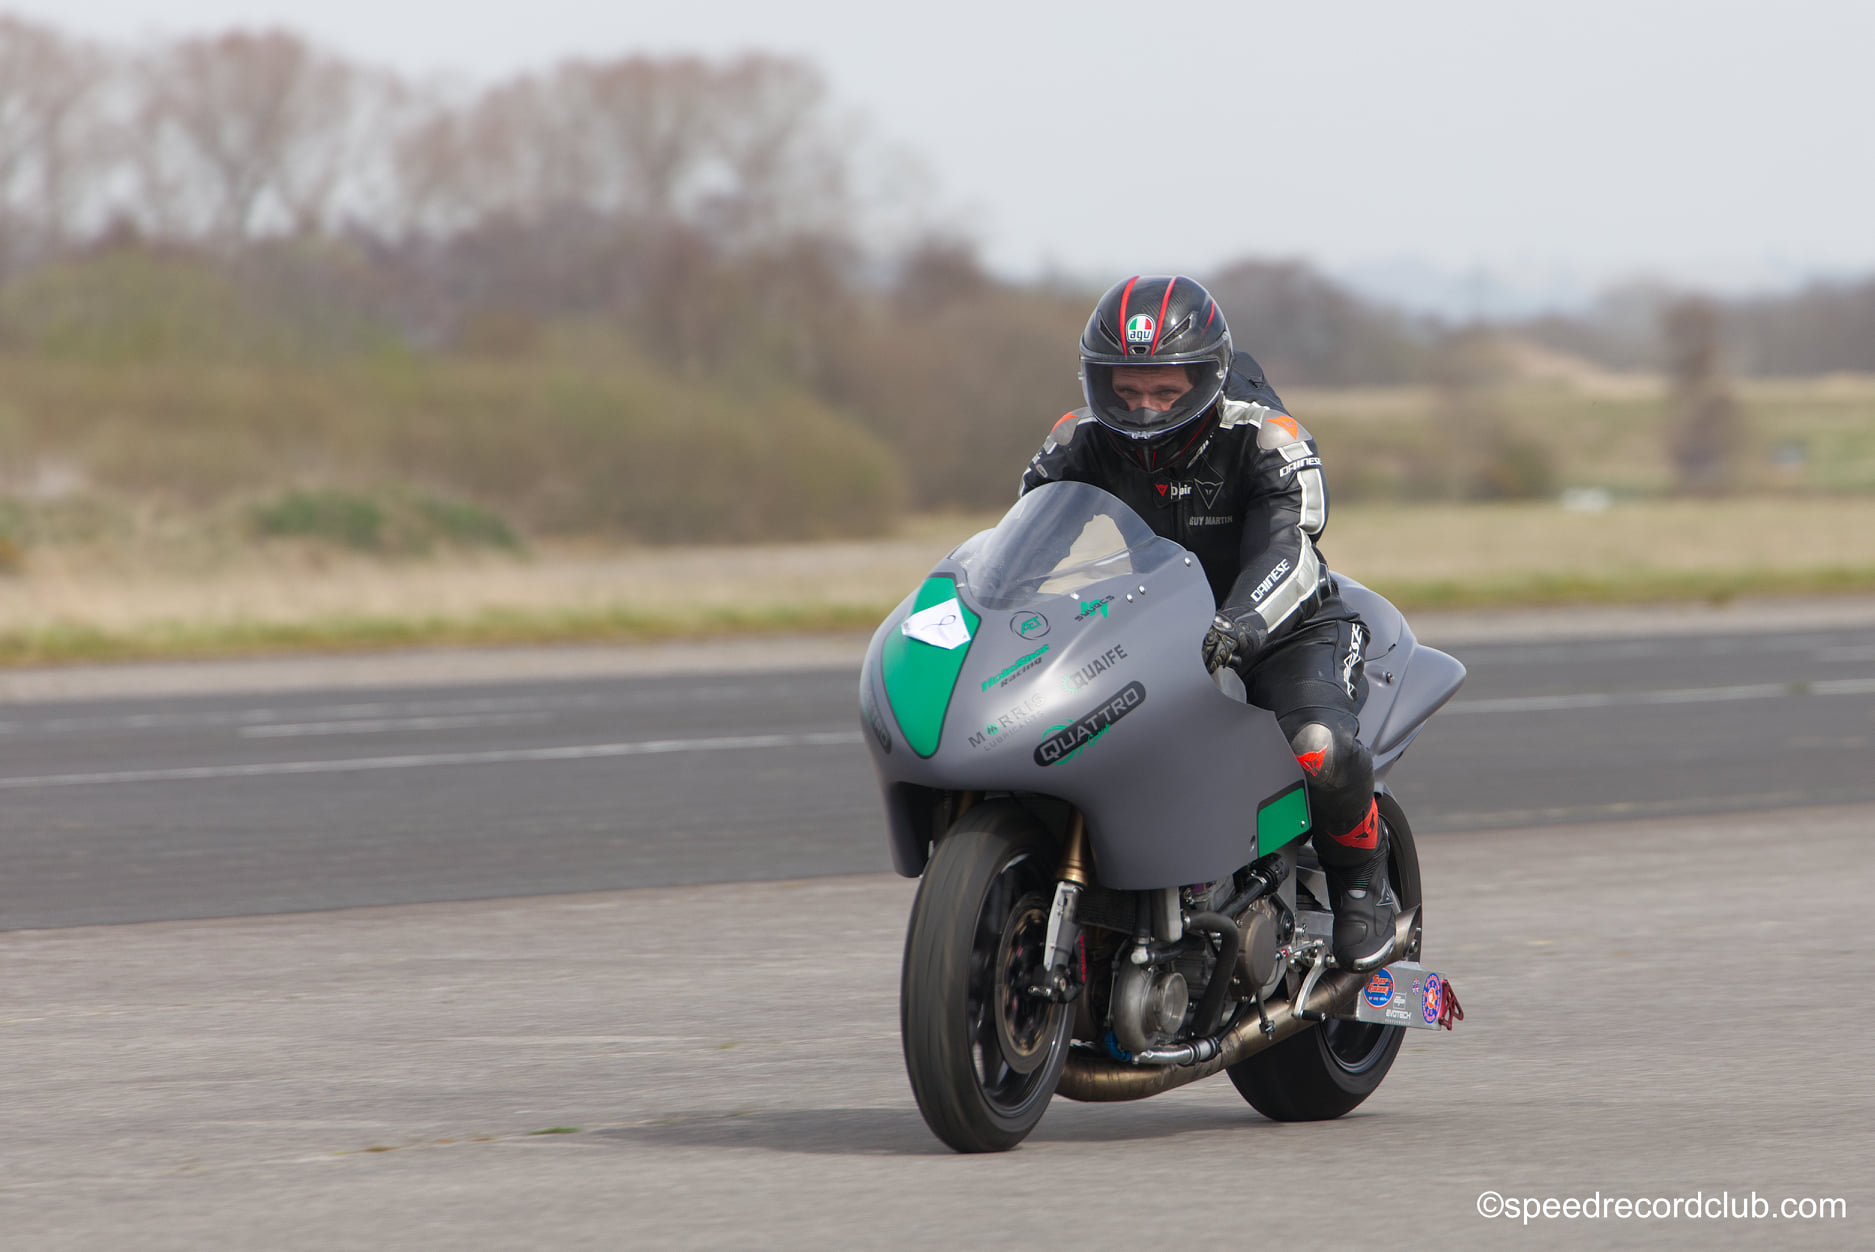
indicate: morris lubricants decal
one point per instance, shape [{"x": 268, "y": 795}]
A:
[
  {"x": 996, "y": 734},
  {"x": 1067, "y": 741}
]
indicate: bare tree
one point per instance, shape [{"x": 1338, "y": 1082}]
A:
[
  {"x": 783, "y": 156},
  {"x": 50, "y": 154},
  {"x": 243, "y": 132},
  {"x": 1703, "y": 420},
  {"x": 645, "y": 130}
]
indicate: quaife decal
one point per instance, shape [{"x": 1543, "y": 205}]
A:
[
  {"x": 997, "y": 733},
  {"x": 1078, "y": 680},
  {"x": 1029, "y": 625},
  {"x": 1066, "y": 741},
  {"x": 1014, "y": 668},
  {"x": 1091, "y": 607}
]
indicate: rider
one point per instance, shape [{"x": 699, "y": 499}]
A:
[{"x": 1190, "y": 435}]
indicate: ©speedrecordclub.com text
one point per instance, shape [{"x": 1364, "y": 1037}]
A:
[{"x": 1699, "y": 1206}]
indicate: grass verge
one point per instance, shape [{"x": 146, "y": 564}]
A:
[{"x": 71, "y": 644}]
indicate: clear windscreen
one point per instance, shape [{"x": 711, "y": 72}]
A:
[{"x": 1058, "y": 538}]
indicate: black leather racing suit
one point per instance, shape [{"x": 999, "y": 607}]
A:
[{"x": 1245, "y": 494}]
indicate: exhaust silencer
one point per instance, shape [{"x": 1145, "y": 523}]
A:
[{"x": 1100, "y": 1079}]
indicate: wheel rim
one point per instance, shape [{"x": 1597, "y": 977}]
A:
[
  {"x": 1012, "y": 1034},
  {"x": 1022, "y": 1020},
  {"x": 1354, "y": 1047}
]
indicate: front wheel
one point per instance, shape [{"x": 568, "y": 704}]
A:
[
  {"x": 983, "y": 1055},
  {"x": 1323, "y": 1073}
]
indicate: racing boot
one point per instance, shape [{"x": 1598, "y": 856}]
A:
[{"x": 1356, "y": 867}]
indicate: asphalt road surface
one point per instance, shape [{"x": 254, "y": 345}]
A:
[
  {"x": 1656, "y": 1011},
  {"x": 1647, "y": 864},
  {"x": 210, "y": 806}
]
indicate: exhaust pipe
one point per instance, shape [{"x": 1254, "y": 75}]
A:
[{"x": 1101, "y": 1079}]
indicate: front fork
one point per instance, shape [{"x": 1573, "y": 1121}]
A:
[{"x": 1056, "y": 980}]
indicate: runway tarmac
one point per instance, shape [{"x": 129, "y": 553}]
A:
[
  {"x": 184, "y": 806},
  {"x": 1660, "y": 1010},
  {"x": 644, "y": 907}
]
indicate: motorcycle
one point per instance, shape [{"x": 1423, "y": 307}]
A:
[{"x": 1117, "y": 896}]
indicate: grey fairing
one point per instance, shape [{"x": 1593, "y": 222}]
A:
[
  {"x": 1170, "y": 790},
  {"x": 1407, "y": 682}
]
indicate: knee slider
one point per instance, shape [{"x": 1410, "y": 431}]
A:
[{"x": 1331, "y": 756}]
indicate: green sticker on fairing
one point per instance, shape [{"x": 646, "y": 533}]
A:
[
  {"x": 919, "y": 676},
  {"x": 1282, "y": 819}
]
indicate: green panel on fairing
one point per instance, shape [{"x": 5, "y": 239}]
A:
[
  {"x": 1282, "y": 819},
  {"x": 919, "y": 677}
]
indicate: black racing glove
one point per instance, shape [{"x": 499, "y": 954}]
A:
[{"x": 1229, "y": 643}]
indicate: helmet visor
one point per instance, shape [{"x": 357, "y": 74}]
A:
[{"x": 1141, "y": 407}]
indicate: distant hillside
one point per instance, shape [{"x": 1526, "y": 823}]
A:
[
  {"x": 1824, "y": 328},
  {"x": 1305, "y": 329}
]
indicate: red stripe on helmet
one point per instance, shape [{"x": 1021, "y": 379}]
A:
[
  {"x": 1160, "y": 328},
  {"x": 1210, "y": 313},
  {"x": 1124, "y": 297}
]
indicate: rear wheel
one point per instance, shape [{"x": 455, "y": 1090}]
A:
[
  {"x": 983, "y": 1055},
  {"x": 1323, "y": 1073}
]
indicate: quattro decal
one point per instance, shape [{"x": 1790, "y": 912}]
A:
[{"x": 1066, "y": 741}]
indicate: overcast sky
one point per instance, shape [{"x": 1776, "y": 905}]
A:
[{"x": 1566, "y": 143}]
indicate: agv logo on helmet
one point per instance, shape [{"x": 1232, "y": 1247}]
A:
[{"x": 1139, "y": 329}]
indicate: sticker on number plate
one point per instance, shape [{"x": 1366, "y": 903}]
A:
[{"x": 1402, "y": 994}]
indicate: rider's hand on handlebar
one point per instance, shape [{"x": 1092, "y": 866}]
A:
[{"x": 1227, "y": 643}]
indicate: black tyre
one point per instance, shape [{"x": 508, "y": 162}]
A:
[
  {"x": 1323, "y": 1073},
  {"x": 983, "y": 1055}
]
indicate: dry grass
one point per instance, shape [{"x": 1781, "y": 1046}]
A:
[
  {"x": 65, "y": 607},
  {"x": 1595, "y": 429},
  {"x": 1428, "y": 543}
]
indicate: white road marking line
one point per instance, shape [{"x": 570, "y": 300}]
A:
[
  {"x": 254, "y": 715},
  {"x": 1604, "y": 699},
  {"x": 1684, "y": 695},
  {"x": 1844, "y": 687},
  {"x": 578, "y": 752},
  {"x": 378, "y": 725}
]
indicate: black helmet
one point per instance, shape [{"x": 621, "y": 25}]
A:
[{"x": 1155, "y": 321}]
